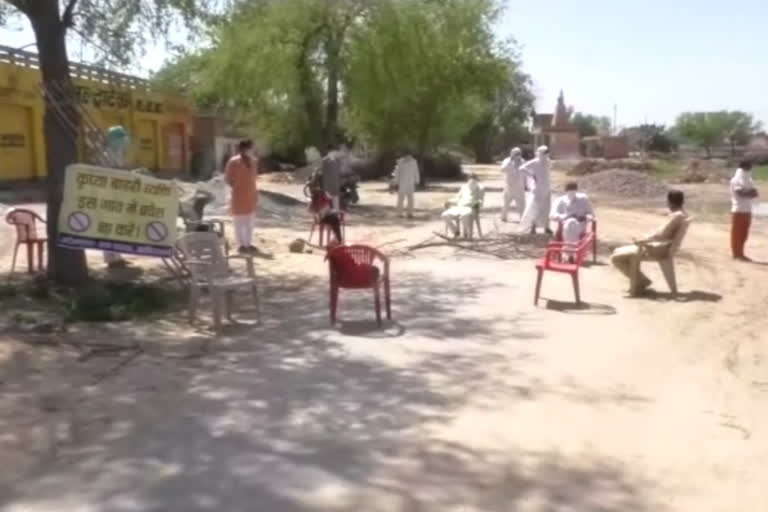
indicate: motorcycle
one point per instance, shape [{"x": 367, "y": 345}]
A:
[{"x": 348, "y": 194}]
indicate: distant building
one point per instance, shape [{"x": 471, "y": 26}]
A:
[
  {"x": 159, "y": 123},
  {"x": 557, "y": 131}
]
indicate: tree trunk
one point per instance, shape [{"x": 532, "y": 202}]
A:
[
  {"x": 332, "y": 49},
  {"x": 309, "y": 93},
  {"x": 66, "y": 266}
]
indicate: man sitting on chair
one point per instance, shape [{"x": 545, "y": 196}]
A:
[
  {"x": 460, "y": 211},
  {"x": 656, "y": 243},
  {"x": 572, "y": 210}
]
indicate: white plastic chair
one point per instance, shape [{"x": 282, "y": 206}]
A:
[
  {"x": 209, "y": 268},
  {"x": 667, "y": 261}
]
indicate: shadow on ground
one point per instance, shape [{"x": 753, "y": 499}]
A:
[{"x": 295, "y": 415}]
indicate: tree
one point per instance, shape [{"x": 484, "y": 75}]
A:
[
  {"x": 590, "y": 125},
  {"x": 419, "y": 73},
  {"x": 650, "y": 137},
  {"x": 117, "y": 29},
  {"x": 505, "y": 111},
  {"x": 709, "y": 128},
  {"x": 277, "y": 66},
  {"x": 739, "y": 127}
]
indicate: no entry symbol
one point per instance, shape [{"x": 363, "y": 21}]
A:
[
  {"x": 79, "y": 221},
  {"x": 156, "y": 231}
]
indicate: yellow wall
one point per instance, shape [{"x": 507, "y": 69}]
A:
[{"x": 159, "y": 125}]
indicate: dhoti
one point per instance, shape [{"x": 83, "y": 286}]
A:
[
  {"x": 457, "y": 216},
  {"x": 513, "y": 193},
  {"x": 537, "y": 212},
  {"x": 572, "y": 230}
]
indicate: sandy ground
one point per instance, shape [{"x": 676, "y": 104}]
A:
[{"x": 471, "y": 400}]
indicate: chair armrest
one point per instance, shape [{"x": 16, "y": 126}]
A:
[
  {"x": 205, "y": 268},
  {"x": 248, "y": 259}
]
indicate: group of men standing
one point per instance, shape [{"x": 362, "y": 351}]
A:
[{"x": 519, "y": 178}]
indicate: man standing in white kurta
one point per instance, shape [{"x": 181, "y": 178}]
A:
[
  {"x": 514, "y": 183},
  {"x": 537, "y": 212}
]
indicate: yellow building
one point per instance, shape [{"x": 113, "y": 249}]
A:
[{"x": 159, "y": 124}]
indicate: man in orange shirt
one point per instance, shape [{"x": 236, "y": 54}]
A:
[{"x": 241, "y": 172}]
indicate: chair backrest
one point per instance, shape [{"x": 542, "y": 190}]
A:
[
  {"x": 677, "y": 241},
  {"x": 360, "y": 254},
  {"x": 203, "y": 255},
  {"x": 25, "y": 222}
]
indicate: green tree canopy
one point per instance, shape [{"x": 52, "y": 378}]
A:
[
  {"x": 590, "y": 125},
  {"x": 388, "y": 73},
  {"x": 708, "y": 129},
  {"x": 420, "y": 74}
]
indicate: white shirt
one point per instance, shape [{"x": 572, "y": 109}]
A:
[
  {"x": 407, "y": 174},
  {"x": 741, "y": 181},
  {"x": 579, "y": 206},
  {"x": 538, "y": 168},
  {"x": 470, "y": 194},
  {"x": 511, "y": 169}
]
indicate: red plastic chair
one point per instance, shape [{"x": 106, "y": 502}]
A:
[
  {"x": 324, "y": 230},
  {"x": 593, "y": 230},
  {"x": 25, "y": 222},
  {"x": 553, "y": 262},
  {"x": 352, "y": 267}
]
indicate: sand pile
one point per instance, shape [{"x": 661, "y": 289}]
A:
[{"x": 622, "y": 183}]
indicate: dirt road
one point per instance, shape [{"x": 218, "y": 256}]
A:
[{"x": 472, "y": 400}]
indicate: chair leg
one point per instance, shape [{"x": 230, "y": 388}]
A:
[
  {"x": 194, "y": 299},
  {"x": 334, "y": 303},
  {"x": 388, "y": 299},
  {"x": 30, "y": 258},
  {"x": 13, "y": 261},
  {"x": 668, "y": 269},
  {"x": 377, "y": 300},
  {"x": 40, "y": 252},
  {"x": 594, "y": 249},
  {"x": 539, "y": 277},
  {"x": 256, "y": 301},
  {"x": 576, "y": 291},
  {"x": 217, "y": 299},
  {"x": 229, "y": 304}
]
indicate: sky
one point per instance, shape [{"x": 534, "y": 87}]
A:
[{"x": 651, "y": 59}]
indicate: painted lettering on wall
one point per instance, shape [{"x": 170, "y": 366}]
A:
[
  {"x": 103, "y": 98},
  {"x": 150, "y": 107},
  {"x": 12, "y": 140}
]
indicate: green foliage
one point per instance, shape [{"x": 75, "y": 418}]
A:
[
  {"x": 710, "y": 128},
  {"x": 760, "y": 172},
  {"x": 419, "y": 74},
  {"x": 117, "y": 31},
  {"x": 667, "y": 170},
  {"x": 384, "y": 72},
  {"x": 98, "y": 301},
  {"x": 590, "y": 125},
  {"x": 275, "y": 66},
  {"x": 650, "y": 137},
  {"x": 113, "y": 302},
  {"x": 506, "y": 110}
]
